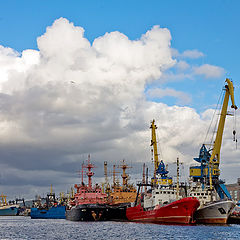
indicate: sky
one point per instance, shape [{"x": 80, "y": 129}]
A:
[{"x": 87, "y": 77}]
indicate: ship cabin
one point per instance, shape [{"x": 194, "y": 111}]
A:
[
  {"x": 159, "y": 196},
  {"x": 86, "y": 195},
  {"x": 202, "y": 194}
]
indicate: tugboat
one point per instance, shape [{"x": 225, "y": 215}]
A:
[
  {"x": 50, "y": 210},
  {"x": 7, "y": 209},
  {"x": 216, "y": 202},
  {"x": 162, "y": 203},
  {"x": 89, "y": 202}
]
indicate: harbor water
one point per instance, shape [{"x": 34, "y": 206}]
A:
[{"x": 26, "y": 228}]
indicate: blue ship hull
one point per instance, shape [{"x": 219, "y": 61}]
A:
[
  {"x": 8, "y": 211},
  {"x": 57, "y": 212}
]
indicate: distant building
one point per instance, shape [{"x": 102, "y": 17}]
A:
[{"x": 234, "y": 190}]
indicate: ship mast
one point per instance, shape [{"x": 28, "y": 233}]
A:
[
  {"x": 114, "y": 177},
  {"x": 125, "y": 176},
  {"x": 177, "y": 178},
  {"x": 105, "y": 173},
  {"x": 89, "y": 166},
  {"x": 107, "y": 187},
  {"x": 144, "y": 178}
]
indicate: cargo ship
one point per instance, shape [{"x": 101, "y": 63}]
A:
[
  {"x": 162, "y": 202},
  {"x": 51, "y": 209},
  {"x": 89, "y": 203},
  {"x": 216, "y": 202},
  {"x": 7, "y": 209},
  {"x": 120, "y": 196}
]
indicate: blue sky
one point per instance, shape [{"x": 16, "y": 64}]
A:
[
  {"x": 49, "y": 124},
  {"x": 211, "y": 27}
]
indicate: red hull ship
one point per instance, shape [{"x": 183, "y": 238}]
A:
[
  {"x": 162, "y": 203},
  {"x": 180, "y": 211}
]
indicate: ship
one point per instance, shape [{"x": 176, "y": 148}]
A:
[
  {"x": 161, "y": 206},
  {"x": 215, "y": 212},
  {"x": 216, "y": 202},
  {"x": 162, "y": 202},
  {"x": 8, "y": 209},
  {"x": 89, "y": 203},
  {"x": 119, "y": 196},
  {"x": 51, "y": 209},
  {"x": 211, "y": 209}
]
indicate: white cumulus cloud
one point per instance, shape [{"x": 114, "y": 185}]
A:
[
  {"x": 209, "y": 71},
  {"x": 71, "y": 98},
  {"x": 182, "y": 98}
]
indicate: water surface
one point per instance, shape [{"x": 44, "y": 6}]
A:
[{"x": 26, "y": 228}]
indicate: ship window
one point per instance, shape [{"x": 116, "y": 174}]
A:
[
  {"x": 202, "y": 194},
  {"x": 198, "y": 194},
  {"x": 172, "y": 192},
  {"x": 164, "y": 192}
]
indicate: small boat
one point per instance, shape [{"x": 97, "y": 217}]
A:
[
  {"x": 235, "y": 215},
  {"x": 7, "y": 209},
  {"x": 50, "y": 210},
  {"x": 54, "y": 212},
  {"x": 89, "y": 202}
]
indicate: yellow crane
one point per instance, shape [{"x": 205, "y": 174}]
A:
[
  {"x": 215, "y": 156},
  {"x": 209, "y": 171},
  {"x": 154, "y": 145},
  {"x": 160, "y": 171}
]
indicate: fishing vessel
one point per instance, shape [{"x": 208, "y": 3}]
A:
[
  {"x": 161, "y": 206},
  {"x": 162, "y": 203},
  {"x": 51, "y": 209},
  {"x": 89, "y": 202},
  {"x": 216, "y": 202},
  {"x": 7, "y": 209}
]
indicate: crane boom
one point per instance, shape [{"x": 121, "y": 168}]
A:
[
  {"x": 215, "y": 156},
  {"x": 154, "y": 144}
]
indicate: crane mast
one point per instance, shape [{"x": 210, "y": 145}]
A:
[
  {"x": 215, "y": 156},
  {"x": 154, "y": 144}
]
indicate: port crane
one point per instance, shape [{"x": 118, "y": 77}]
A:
[
  {"x": 208, "y": 172},
  {"x": 160, "y": 171}
]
